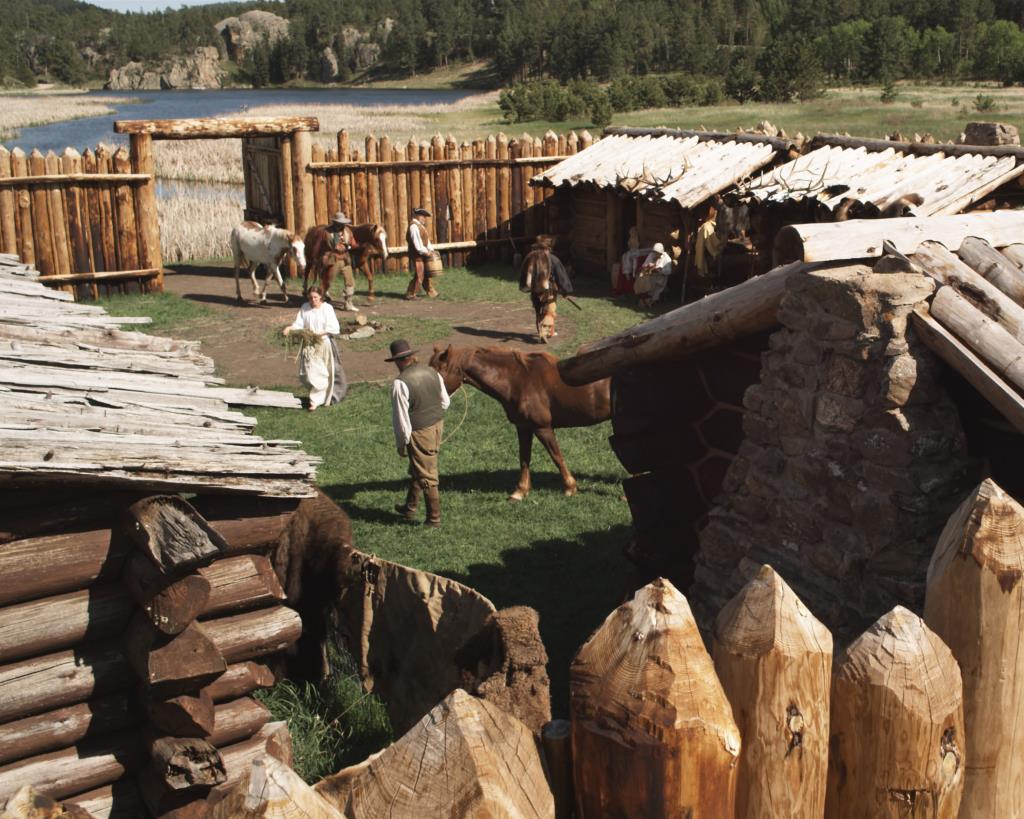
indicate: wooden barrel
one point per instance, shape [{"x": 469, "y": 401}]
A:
[{"x": 434, "y": 266}]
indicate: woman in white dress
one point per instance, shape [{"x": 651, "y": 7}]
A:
[{"x": 319, "y": 361}]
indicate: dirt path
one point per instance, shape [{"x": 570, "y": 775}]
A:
[{"x": 249, "y": 353}]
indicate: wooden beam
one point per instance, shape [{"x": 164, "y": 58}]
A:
[
  {"x": 994, "y": 266},
  {"x": 978, "y": 374},
  {"x": 237, "y": 720},
  {"x": 404, "y": 164},
  {"x": 77, "y": 178},
  {"x": 915, "y": 148},
  {"x": 240, "y": 679},
  {"x": 216, "y": 127},
  {"x": 63, "y": 727},
  {"x": 184, "y": 662},
  {"x": 169, "y": 602},
  {"x": 721, "y": 317},
  {"x": 862, "y": 238},
  {"x": 255, "y": 633},
  {"x": 704, "y": 136},
  {"x": 975, "y": 603}
]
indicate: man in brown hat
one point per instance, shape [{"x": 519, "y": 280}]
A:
[
  {"x": 338, "y": 258},
  {"x": 543, "y": 276},
  {"x": 418, "y": 402},
  {"x": 419, "y": 251}
]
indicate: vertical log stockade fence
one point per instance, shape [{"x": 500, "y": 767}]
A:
[{"x": 89, "y": 220}]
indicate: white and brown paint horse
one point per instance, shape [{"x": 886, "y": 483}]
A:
[
  {"x": 252, "y": 245},
  {"x": 535, "y": 398},
  {"x": 371, "y": 242}
]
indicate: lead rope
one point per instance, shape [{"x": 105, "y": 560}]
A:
[{"x": 465, "y": 412}]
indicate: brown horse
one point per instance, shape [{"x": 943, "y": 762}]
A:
[
  {"x": 535, "y": 398},
  {"x": 371, "y": 242}
]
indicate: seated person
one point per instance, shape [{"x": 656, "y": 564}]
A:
[{"x": 653, "y": 275}]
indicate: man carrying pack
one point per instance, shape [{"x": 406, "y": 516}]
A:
[
  {"x": 418, "y": 402},
  {"x": 419, "y": 251}
]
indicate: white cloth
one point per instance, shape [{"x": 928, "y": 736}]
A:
[
  {"x": 417, "y": 237},
  {"x": 651, "y": 282},
  {"x": 316, "y": 371},
  {"x": 320, "y": 319},
  {"x": 400, "y": 422}
]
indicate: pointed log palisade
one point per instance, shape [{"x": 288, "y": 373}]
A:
[
  {"x": 470, "y": 758},
  {"x": 652, "y": 731},
  {"x": 774, "y": 660},
  {"x": 897, "y": 735},
  {"x": 975, "y": 603}
]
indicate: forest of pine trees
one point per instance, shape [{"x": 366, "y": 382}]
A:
[{"x": 770, "y": 49}]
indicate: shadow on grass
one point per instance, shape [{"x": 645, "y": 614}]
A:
[
  {"x": 498, "y": 335},
  {"x": 600, "y": 580}
]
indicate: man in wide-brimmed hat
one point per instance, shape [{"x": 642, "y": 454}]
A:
[
  {"x": 420, "y": 250},
  {"x": 338, "y": 259},
  {"x": 418, "y": 402},
  {"x": 543, "y": 276}
]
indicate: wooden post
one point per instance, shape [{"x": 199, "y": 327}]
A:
[
  {"x": 373, "y": 194},
  {"x": 402, "y": 205},
  {"x": 556, "y": 740},
  {"x": 774, "y": 659},
  {"x": 975, "y": 603},
  {"x": 288, "y": 195},
  {"x": 454, "y": 183},
  {"x": 504, "y": 194},
  {"x": 107, "y": 207},
  {"x": 612, "y": 223},
  {"x": 897, "y": 724},
  {"x": 440, "y": 193},
  {"x": 550, "y": 149},
  {"x": 146, "y": 215},
  {"x": 23, "y": 204},
  {"x": 95, "y": 214},
  {"x": 412, "y": 154},
  {"x": 359, "y": 205},
  {"x": 529, "y": 220},
  {"x": 127, "y": 244},
  {"x": 79, "y": 262},
  {"x": 427, "y": 188},
  {"x": 480, "y": 196},
  {"x": 344, "y": 154},
  {"x": 58, "y": 219},
  {"x": 321, "y": 208},
  {"x": 652, "y": 730},
  {"x": 388, "y": 217},
  {"x": 468, "y": 196},
  {"x": 562, "y": 142},
  {"x": 8, "y": 230},
  {"x": 515, "y": 188},
  {"x": 42, "y": 238},
  {"x": 466, "y": 752},
  {"x": 302, "y": 155},
  {"x": 491, "y": 152}
]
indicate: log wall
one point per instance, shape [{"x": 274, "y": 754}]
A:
[
  {"x": 478, "y": 192},
  {"x": 109, "y": 678},
  {"x": 85, "y": 221}
]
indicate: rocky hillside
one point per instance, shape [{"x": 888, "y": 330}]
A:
[{"x": 200, "y": 69}]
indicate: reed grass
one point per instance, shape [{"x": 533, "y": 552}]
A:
[
  {"x": 196, "y": 226},
  {"x": 42, "y": 109}
]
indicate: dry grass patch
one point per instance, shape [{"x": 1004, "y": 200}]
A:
[
  {"x": 41, "y": 109},
  {"x": 197, "y": 225}
]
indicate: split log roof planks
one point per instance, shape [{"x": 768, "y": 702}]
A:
[
  {"x": 81, "y": 399},
  {"x": 832, "y": 173},
  {"x": 683, "y": 167}
]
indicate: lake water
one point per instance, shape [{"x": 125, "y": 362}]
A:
[{"x": 86, "y": 133}]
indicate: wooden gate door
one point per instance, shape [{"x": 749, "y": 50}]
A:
[{"x": 261, "y": 165}]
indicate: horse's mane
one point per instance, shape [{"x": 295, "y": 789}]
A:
[{"x": 524, "y": 359}]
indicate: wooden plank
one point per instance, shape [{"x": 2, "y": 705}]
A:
[
  {"x": 23, "y": 209},
  {"x": 106, "y": 276},
  {"x": 216, "y": 127},
  {"x": 978, "y": 374}
]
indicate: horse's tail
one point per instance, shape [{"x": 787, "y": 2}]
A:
[
  {"x": 382, "y": 237},
  {"x": 236, "y": 247}
]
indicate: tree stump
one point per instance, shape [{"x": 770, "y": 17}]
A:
[
  {"x": 975, "y": 603},
  {"x": 774, "y": 659},
  {"x": 652, "y": 731},
  {"x": 897, "y": 743},
  {"x": 466, "y": 757},
  {"x": 272, "y": 790}
]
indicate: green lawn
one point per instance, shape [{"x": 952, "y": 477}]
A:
[
  {"x": 171, "y": 314},
  {"x": 563, "y": 556}
]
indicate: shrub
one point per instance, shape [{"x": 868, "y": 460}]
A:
[
  {"x": 889, "y": 93},
  {"x": 983, "y": 104},
  {"x": 601, "y": 112},
  {"x": 742, "y": 80},
  {"x": 332, "y": 724}
]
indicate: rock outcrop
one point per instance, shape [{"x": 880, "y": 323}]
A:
[
  {"x": 200, "y": 69},
  {"x": 239, "y": 34}
]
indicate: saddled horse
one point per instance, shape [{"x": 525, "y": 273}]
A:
[
  {"x": 252, "y": 245},
  {"x": 535, "y": 398},
  {"x": 371, "y": 242}
]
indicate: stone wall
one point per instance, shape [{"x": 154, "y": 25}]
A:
[{"x": 854, "y": 456}]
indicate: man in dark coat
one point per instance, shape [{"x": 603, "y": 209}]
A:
[{"x": 543, "y": 276}]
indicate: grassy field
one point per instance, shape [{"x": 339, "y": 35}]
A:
[
  {"x": 512, "y": 553},
  {"x": 39, "y": 108},
  {"x": 171, "y": 314}
]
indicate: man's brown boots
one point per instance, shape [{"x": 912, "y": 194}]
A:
[
  {"x": 408, "y": 509},
  {"x": 433, "y": 498}
]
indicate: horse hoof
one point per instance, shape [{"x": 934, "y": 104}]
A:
[
  {"x": 371, "y": 299},
  {"x": 516, "y": 496},
  {"x": 569, "y": 491}
]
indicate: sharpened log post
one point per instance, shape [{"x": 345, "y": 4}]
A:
[
  {"x": 897, "y": 724},
  {"x": 975, "y": 603},
  {"x": 774, "y": 659},
  {"x": 146, "y": 217},
  {"x": 652, "y": 731},
  {"x": 556, "y": 739}
]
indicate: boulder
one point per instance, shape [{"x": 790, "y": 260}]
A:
[
  {"x": 239, "y": 34},
  {"x": 328, "y": 65},
  {"x": 990, "y": 133},
  {"x": 200, "y": 69}
]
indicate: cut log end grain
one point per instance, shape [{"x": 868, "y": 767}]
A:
[
  {"x": 171, "y": 665},
  {"x": 184, "y": 763},
  {"x": 270, "y": 788},
  {"x": 172, "y": 533}
]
